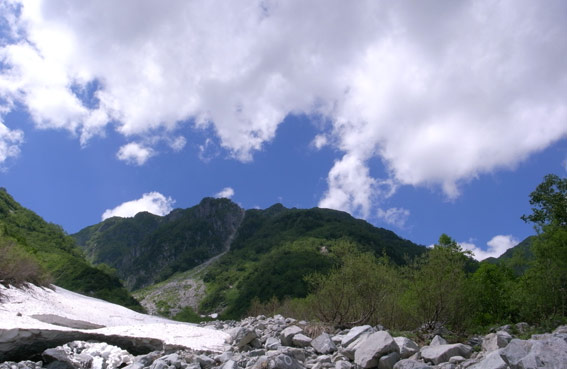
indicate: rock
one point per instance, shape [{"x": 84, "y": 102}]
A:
[
  {"x": 411, "y": 364},
  {"x": 301, "y": 340},
  {"x": 492, "y": 361},
  {"x": 407, "y": 347},
  {"x": 442, "y": 353},
  {"x": 242, "y": 336},
  {"x": 323, "y": 344},
  {"x": 456, "y": 359},
  {"x": 351, "y": 348},
  {"x": 373, "y": 347},
  {"x": 354, "y": 333},
  {"x": 230, "y": 364},
  {"x": 287, "y": 334},
  {"x": 495, "y": 341},
  {"x": 272, "y": 343},
  {"x": 57, "y": 358},
  {"x": 205, "y": 361},
  {"x": 550, "y": 352},
  {"x": 388, "y": 361},
  {"x": 438, "y": 340},
  {"x": 562, "y": 329},
  {"x": 343, "y": 364},
  {"x": 283, "y": 362}
]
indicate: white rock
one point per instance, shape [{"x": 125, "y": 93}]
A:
[
  {"x": 495, "y": 341},
  {"x": 323, "y": 344},
  {"x": 438, "y": 340},
  {"x": 373, "y": 347},
  {"x": 442, "y": 353},
  {"x": 354, "y": 333},
  {"x": 407, "y": 347},
  {"x": 287, "y": 334},
  {"x": 301, "y": 340}
]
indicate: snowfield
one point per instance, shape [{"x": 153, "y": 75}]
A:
[{"x": 63, "y": 310}]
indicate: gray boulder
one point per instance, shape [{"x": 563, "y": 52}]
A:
[
  {"x": 323, "y": 344},
  {"x": 287, "y": 334},
  {"x": 549, "y": 352},
  {"x": 354, "y": 333},
  {"x": 343, "y": 364},
  {"x": 388, "y": 361},
  {"x": 407, "y": 347},
  {"x": 301, "y": 340},
  {"x": 492, "y": 361},
  {"x": 272, "y": 343},
  {"x": 242, "y": 336},
  {"x": 438, "y": 340},
  {"x": 495, "y": 341},
  {"x": 411, "y": 364},
  {"x": 442, "y": 353},
  {"x": 373, "y": 348},
  {"x": 283, "y": 361}
]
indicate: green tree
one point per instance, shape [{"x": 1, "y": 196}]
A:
[
  {"x": 355, "y": 292},
  {"x": 490, "y": 289},
  {"x": 543, "y": 293},
  {"x": 437, "y": 290}
]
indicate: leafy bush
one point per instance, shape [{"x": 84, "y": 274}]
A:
[{"x": 18, "y": 268}]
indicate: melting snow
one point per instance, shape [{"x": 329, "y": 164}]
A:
[{"x": 18, "y": 306}]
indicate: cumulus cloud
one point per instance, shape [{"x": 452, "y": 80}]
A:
[
  {"x": 135, "y": 153},
  {"x": 226, "y": 192},
  {"x": 10, "y": 142},
  {"x": 394, "y": 216},
  {"x": 153, "y": 202},
  {"x": 440, "y": 93},
  {"x": 496, "y": 247}
]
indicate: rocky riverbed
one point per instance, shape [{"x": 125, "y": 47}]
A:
[{"x": 284, "y": 343}]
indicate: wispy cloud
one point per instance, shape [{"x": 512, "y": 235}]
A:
[
  {"x": 153, "y": 202},
  {"x": 10, "y": 142},
  {"x": 394, "y": 216}
]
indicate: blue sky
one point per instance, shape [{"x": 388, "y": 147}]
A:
[{"x": 420, "y": 119}]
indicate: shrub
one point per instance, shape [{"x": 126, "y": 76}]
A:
[{"x": 17, "y": 268}]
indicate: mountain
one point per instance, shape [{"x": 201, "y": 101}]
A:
[
  {"x": 148, "y": 248},
  {"x": 517, "y": 258},
  {"x": 57, "y": 253},
  {"x": 257, "y": 253},
  {"x": 275, "y": 249}
]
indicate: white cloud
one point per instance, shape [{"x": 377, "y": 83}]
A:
[
  {"x": 134, "y": 153},
  {"x": 226, "y": 192},
  {"x": 319, "y": 142},
  {"x": 441, "y": 93},
  {"x": 394, "y": 216},
  {"x": 10, "y": 141},
  {"x": 496, "y": 247},
  {"x": 153, "y": 202},
  {"x": 178, "y": 143}
]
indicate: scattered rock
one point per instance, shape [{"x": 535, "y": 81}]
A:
[
  {"x": 287, "y": 334},
  {"x": 495, "y": 341},
  {"x": 407, "y": 347},
  {"x": 438, "y": 340},
  {"x": 301, "y": 340},
  {"x": 442, "y": 353},
  {"x": 354, "y": 333},
  {"x": 373, "y": 347},
  {"x": 323, "y": 344},
  {"x": 411, "y": 364}
]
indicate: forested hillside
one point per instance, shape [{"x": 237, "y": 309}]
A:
[
  {"x": 29, "y": 238},
  {"x": 148, "y": 248}
]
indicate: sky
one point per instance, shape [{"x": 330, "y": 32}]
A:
[{"x": 420, "y": 117}]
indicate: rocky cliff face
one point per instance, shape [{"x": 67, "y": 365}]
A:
[{"x": 148, "y": 248}]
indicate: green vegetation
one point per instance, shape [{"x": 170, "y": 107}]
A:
[
  {"x": 275, "y": 249},
  {"x": 18, "y": 268},
  {"x": 35, "y": 241},
  {"x": 444, "y": 286},
  {"x": 147, "y": 248}
]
